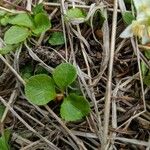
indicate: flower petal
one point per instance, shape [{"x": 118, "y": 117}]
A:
[
  {"x": 137, "y": 3},
  {"x": 127, "y": 32},
  {"x": 145, "y": 38}
]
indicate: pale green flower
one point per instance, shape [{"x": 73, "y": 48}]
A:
[
  {"x": 141, "y": 26},
  {"x": 142, "y": 8},
  {"x": 139, "y": 29}
]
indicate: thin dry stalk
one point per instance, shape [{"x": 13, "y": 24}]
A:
[
  {"x": 109, "y": 82},
  {"x": 11, "y": 100},
  {"x": 12, "y": 69},
  {"x": 79, "y": 142},
  {"x": 28, "y": 126}
]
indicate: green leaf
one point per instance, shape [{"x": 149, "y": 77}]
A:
[
  {"x": 2, "y": 13},
  {"x": 7, "y": 135},
  {"x": 38, "y": 9},
  {"x": 27, "y": 72},
  {"x": 2, "y": 109},
  {"x": 146, "y": 80},
  {"x": 127, "y": 1},
  {"x": 74, "y": 13},
  {"x": 128, "y": 17},
  {"x": 147, "y": 53},
  {"x": 8, "y": 48},
  {"x": 42, "y": 23},
  {"x": 74, "y": 108},
  {"x": 40, "y": 89},
  {"x": 57, "y": 38},
  {"x": 4, "y": 139},
  {"x": 40, "y": 70},
  {"x": 4, "y": 21},
  {"x": 22, "y": 20},
  {"x": 64, "y": 74},
  {"x": 144, "y": 69},
  {"x": 98, "y": 19},
  {"x": 16, "y": 35},
  {"x": 75, "y": 88}
]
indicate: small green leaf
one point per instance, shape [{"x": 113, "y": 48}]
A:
[
  {"x": 4, "y": 139},
  {"x": 2, "y": 13},
  {"x": 144, "y": 69},
  {"x": 38, "y": 9},
  {"x": 147, "y": 53},
  {"x": 128, "y": 17},
  {"x": 64, "y": 74},
  {"x": 22, "y": 20},
  {"x": 42, "y": 23},
  {"x": 26, "y": 72},
  {"x": 74, "y": 108},
  {"x": 8, "y": 48},
  {"x": 16, "y": 35},
  {"x": 57, "y": 38},
  {"x": 2, "y": 109},
  {"x": 98, "y": 19},
  {"x": 40, "y": 70},
  {"x": 127, "y": 1},
  {"x": 7, "y": 135},
  {"x": 146, "y": 80},
  {"x": 40, "y": 89},
  {"x": 4, "y": 21},
  {"x": 74, "y": 13}
]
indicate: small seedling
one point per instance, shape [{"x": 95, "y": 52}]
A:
[
  {"x": 41, "y": 89},
  {"x": 75, "y": 13},
  {"x": 23, "y": 26},
  {"x": 75, "y": 16}
]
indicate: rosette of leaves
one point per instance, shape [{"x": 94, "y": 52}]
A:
[
  {"x": 41, "y": 89},
  {"x": 23, "y": 25}
]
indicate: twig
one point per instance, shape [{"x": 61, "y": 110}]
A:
[
  {"x": 109, "y": 82},
  {"x": 28, "y": 126},
  {"x": 80, "y": 144},
  {"x": 132, "y": 141},
  {"x": 78, "y": 6},
  {"x": 12, "y": 69},
  {"x": 12, "y": 97},
  {"x": 11, "y": 11}
]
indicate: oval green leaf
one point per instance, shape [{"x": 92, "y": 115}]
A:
[
  {"x": 40, "y": 89},
  {"x": 39, "y": 8},
  {"x": 74, "y": 108},
  {"x": 57, "y": 38},
  {"x": 74, "y": 13},
  {"x": 5, "y": 20},
  {"x": 128, "y": 17},
  {"x": 4, "y": 140},
  {"x": 42, "y": 23},
  {"x": 146, "y": 80},
  {"x": 2, "y": 109},
  {"x": 22, "y": 20},
  {"x": 64, "y": 74},
  {"x": 8, "y": 48},
  {"x": 16, "y": 35},
  {"x": 147, "y": 53},
  {"x": 2, "y": 13}
]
